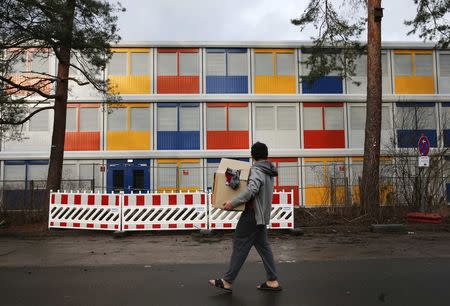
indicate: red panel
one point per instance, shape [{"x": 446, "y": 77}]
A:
[
  {"x": 173, "y": 50},
  {"x": 324, "y": 139},
  {"x": 290, "y": 188},
  {"x": 227, "y": 140},
  {"x": 178, "y": 84},
  {"x": 82, "y": 141},
  {"x": 283, "y": 159}
]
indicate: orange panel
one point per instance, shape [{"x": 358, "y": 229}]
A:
[
  {"x": 227, "y": 140},
  {"x": 178, "y": 84},
  {"x": 82, "y": 141},
  {"x": 25, "y": 81}
]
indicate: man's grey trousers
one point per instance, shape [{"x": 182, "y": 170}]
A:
[{"x": 249, "y": 234}]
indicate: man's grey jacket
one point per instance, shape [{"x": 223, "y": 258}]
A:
[{"x": 260, "y": 190}]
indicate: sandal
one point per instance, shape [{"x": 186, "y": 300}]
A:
[
  {"x": 266, "y": 287},
  {"x": 218, "y": 283}
]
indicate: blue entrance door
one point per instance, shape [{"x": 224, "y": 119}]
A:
[{"x": 128, "y": 175}]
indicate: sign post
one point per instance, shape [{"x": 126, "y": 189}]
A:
[{"x": 423, "y": 162}]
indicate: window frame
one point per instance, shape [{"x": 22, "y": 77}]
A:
[
  {"x": 227, "y": 107},
  {"x": 178, "y": 52}
]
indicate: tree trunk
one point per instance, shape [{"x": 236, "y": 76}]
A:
[
  {"x": 371, "y": 165},
  {"x": 60, "y": 108}
]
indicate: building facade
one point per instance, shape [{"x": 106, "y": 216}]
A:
[{"x": 185, "y": 105}]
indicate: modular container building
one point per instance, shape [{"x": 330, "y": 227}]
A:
[
  {"x": 178, "y": 126},
  {"x": 185, "y": 105},
  {"x": 129, "y": 71},
  {"x": 178, "y": 71},
  {"x": 83, "y": 127},
  {"x": 227, "y": 126},
  {"x": 227, "y": 70}
]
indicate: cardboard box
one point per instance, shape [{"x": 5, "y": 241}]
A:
[{"x": 222, "y": 192}]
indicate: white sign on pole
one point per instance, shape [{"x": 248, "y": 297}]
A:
[{"x": 424, "y": 161}]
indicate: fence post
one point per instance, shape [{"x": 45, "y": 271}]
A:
[
  {"x": 93, "y": 185},
  {"x": 333, "y": 191}
]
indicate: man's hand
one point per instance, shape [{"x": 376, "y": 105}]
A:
[{"x": 227, "y": 205}]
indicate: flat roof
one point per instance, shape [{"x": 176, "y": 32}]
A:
[{"x": 261, "y": 44}]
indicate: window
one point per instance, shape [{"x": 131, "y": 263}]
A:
[
  {"x": 216, "y": 118},
  {"x": 40, "y": 63},
  {"x": 287, "y": 174},
  {"x": 188, "y": 64},
  {"x": 140, "y": 119},
  {"x": 167, "y": 119},
  {"x": 117, "y": 119},
  {"x": 361, "y": 66},
  {"x": 167, "y": 64},
  {"x": 140, "y": 64},
  {"x": 446, "y": 117},
  {"x": 215, "y": 64},
  {"x": 384, "y": 65},
  {"x": 444, "y": 65},
  {"x": 264, "y": 64},
  {"x": 286, "y": 118},
  {"x": 403, "y": 64},
  {"x": 89, "y": 119},
  {"x": 314, "y": 174},
  {"x": 14, "y": 172},
  {"x": 19, "y": 65},
  {"x": 69, "y": 172},
  {"x": 37, "y": 172},
  {"x": 424, "y": 64},
  {"x": 416, "y": 118},
  {"x": 238, "y": 118},
  {"x": 265, "y": 118},
  {"x": 118, "y": 64},
  {"x": 334, "y": 118},
  {"x": 358, "y": 117},
  {"x": 189, "y": 119},
  {"x": 312, "y": 118},
  {"x": 71, "y": 119},
  {"x": 167, "y": 175},
  {"x": 237, "y": 64},
  {"x": 39, "y": 122},
  {"x": 285, "y": 64}
]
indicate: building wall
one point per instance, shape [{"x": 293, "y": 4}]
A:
[{"x": 183, "y": 107}]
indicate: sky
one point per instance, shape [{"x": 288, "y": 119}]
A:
[{"x": 240, "y": 20}]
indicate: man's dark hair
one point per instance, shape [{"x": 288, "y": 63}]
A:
[{"x": 259, "y": 151}]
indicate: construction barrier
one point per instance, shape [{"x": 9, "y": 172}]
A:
[
  {"x": 84, "y": 211},
  {"x": 281, "y": 216},
  {"x": 156, "y": 211}
]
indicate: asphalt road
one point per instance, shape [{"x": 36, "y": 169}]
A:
[{"x": 355, "y": 282}]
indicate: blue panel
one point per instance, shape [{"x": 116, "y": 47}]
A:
[
  {"x": 226, "y": 84},
  {"x": 409, "y": 138},
  {"x": 324, "y": 85},
  {"x": 446, "y": 138},
  {"x": 446, "y": 104},
  {"x": 230, "y": 50},
  {"x": 128, "y": 169},
  {"x": 447, "y": 187},
  {"x": 414, "y": 104},
  {"x": 217, "y": 160},
  {"x": 183, "y": 140}
]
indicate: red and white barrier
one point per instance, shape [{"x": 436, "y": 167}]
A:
[
  {"x": 164, "y": 211},
  {"x": 281, "y": 217},
  {"x": 84, "y": 211}
]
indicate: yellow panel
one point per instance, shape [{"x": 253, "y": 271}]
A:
[
  {"x": 128, "y": 140},
  {"x": 413, "y": 51},
  {"x": 130, "y": 84},
  {"x": 414, "y": 85},
  {"x": 386, "y": 191},
  {"x": 130, "y": 49},
  {"x": 274, "y": 50},
  {"x": 360, "y": 159},
  {"x": 324, "y": 159},
  {"x": 316, "y": 196},
  {"x": 171, "y": 189},
  {"x": 275, "y": 84},
  {"x": 178, "y": 161}
]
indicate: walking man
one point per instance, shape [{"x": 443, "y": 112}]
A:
[{"x": 251, "y": 229}]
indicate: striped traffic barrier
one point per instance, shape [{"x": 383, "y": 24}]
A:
[
  {"x": 93, "y": 211},
  {"x": 164, "y": 211}
]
